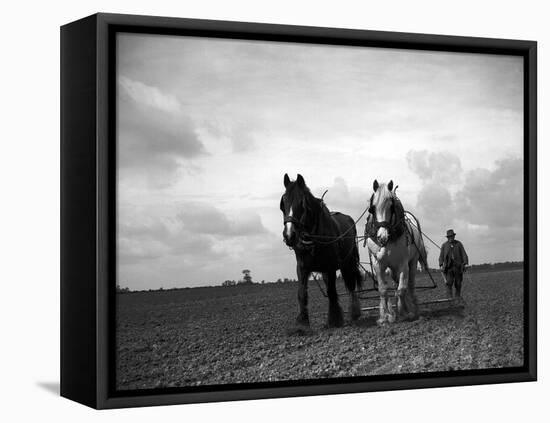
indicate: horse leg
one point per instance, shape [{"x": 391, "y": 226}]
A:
[
  {"x": 405, "y": 305},
  {"x": 335, "y": 314},
  {"x": 303, "y": 317},
  {"x": 401, "y": 292},
  {"x": 386, "y": 311},
  {"x": 351, "y": 285}
]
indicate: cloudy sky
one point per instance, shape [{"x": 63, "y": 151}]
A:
[{"x": 208, "y": 127}]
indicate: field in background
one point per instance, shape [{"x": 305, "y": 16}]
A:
[{"x": 217, "y": 335}]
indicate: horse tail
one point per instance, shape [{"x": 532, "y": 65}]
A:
[{"x": 353, "y": 278}]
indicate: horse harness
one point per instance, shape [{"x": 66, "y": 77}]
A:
[
  {"x": 310, "y": 242},
  {"x": 301, "y": 232},
  {"x": 395, "y": 229}
]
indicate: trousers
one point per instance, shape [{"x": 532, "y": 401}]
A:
[{"x": 454, "y": 275}]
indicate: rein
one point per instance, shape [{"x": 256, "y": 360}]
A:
[{"x": 332, "y": 239}]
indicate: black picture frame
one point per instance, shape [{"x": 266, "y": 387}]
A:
[{"x": 88, "y": 208}]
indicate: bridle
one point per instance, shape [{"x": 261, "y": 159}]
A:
[
  {"x": 307, "y": 237},
  {"x": 292, "y": 219},
  {"x": 395, "y": 229},
  {"x": 300, "y": 228}
]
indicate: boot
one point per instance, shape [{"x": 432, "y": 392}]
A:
[{"x": 457, "y": 293}]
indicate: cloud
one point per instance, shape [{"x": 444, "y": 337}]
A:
[
  {"x": 434, "y": 201},
  {"x": 344, "y": 199},
  {"x": 149, "y": 241},
  {"x": 206, "y": 219},
  {"x": 440, "y": 167},
  {"x": 494, "y": 198},
  {"x": 195, "y": 244},
  {"x": 484, "y": 206},
  {"x": 149, "y": 96},
  {"x": 489, "y": 211},
  {"x": 154, "y": 136},
  {"x": 224, "y": 135},
  {"x": 439, "y": 172},
  {"x": 197, "y": 231}
]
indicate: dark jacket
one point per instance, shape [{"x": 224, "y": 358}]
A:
[{"x": 452, "y": 254}]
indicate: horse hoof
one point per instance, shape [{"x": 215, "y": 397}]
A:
[
  {"x": 386, "y": 319},
  {"x": 335, "y": 320},
  {"x": 303, "y": 325},
  {"x": 335, "y": 317},
  {"x": 299, "y": 331},
  {"x": 335, "y": 323},
  {"x": 301, "y": 328},
  {"x": 355, "y": 316},
  {"x": 411, "y": 316},
  {"x": 302, "y": 320}
]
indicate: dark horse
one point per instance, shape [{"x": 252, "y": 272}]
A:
[{"x": 323, "y": 242}]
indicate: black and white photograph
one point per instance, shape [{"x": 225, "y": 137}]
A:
[
  {"x": 293, "y": 211},
  {"x": 275, "y": 211}
]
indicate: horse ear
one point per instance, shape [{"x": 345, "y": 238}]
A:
[
  {"x": 390, "y": 185},
  {"x": 300, "y": 181},
  {"x": 286, "y": 180},
  {"x": 375, "y": 185}
]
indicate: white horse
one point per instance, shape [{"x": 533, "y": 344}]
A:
[{"x": 397, "y": 245}]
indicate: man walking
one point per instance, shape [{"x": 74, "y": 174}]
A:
[{"x": 452, "y": 262}]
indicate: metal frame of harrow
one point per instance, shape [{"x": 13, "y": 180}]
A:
[{"x": 364, "y": 294}]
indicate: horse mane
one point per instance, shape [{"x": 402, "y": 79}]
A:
[
  {"x": 294, "y": 191},
  {"x": 383, "y": 191}
]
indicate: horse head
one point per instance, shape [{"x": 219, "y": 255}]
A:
[
  {"x": 297, "y": 206},
  {"x": 382, "y": 208}
]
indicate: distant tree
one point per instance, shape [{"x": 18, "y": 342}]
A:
[
  {"x": 122, "y": 290},
  {"x": 247, "y": 279},
  {"x": 229, "y": 283},
  {"x": 279, "y": 280},
  {"x": 263, "y": 281}
]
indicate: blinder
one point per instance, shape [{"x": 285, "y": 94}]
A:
[
  {"x": 394, "y": 228},
  {"x": 300, "y": 226},
  {"x": 292, "y": 219}
]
